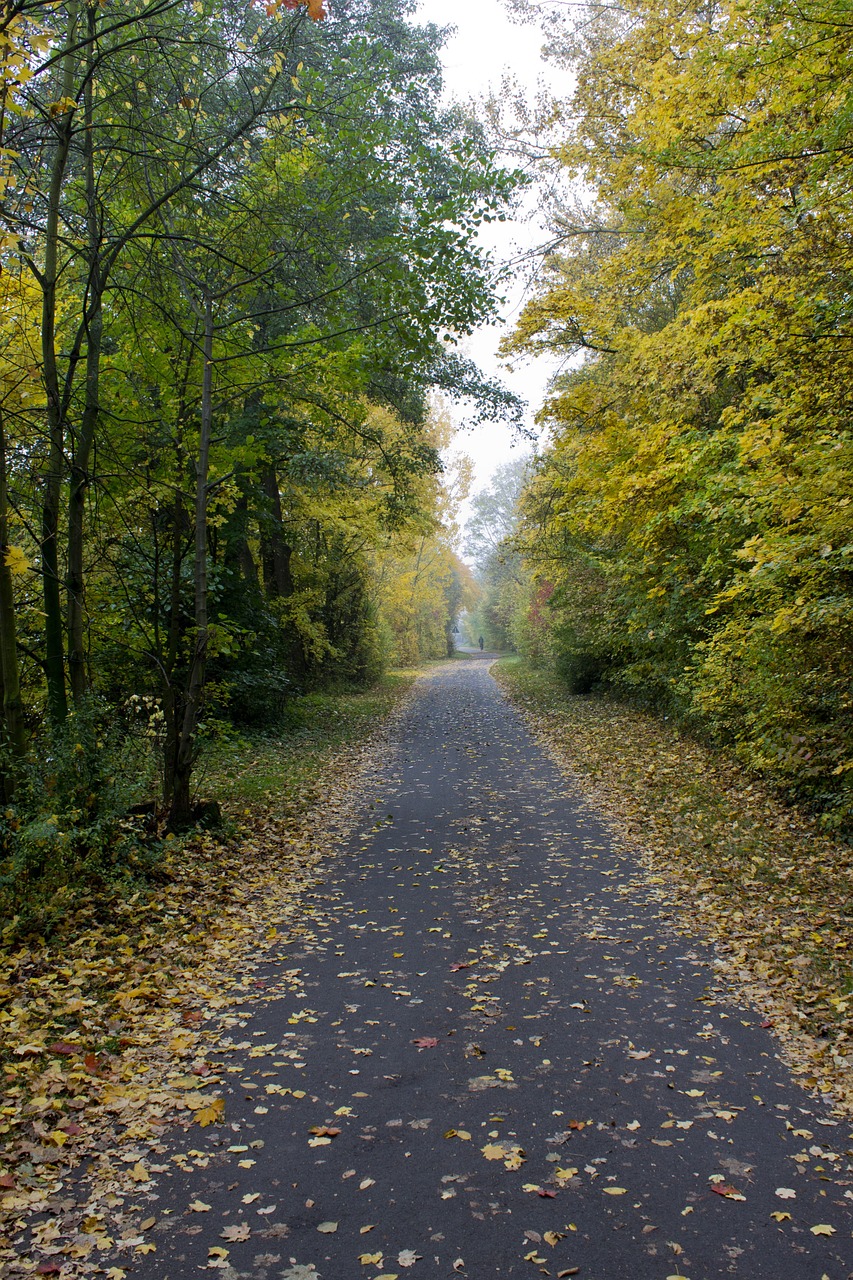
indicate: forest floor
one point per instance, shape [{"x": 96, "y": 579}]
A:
[
  {"x": 471, "y": 1032},
  {"x": 100, "y": 1023}
]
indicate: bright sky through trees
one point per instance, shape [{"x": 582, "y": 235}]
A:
[{"x": 488, "y": 45}]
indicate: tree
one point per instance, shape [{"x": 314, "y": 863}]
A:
[{"x": 685, "y": 507}]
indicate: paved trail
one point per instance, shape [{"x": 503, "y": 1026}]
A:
[{"x": 602, "y": 1095}]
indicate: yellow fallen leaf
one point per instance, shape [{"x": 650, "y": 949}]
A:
[
  {"x": 615, "y": 1191},
  {"x": 494, "y": 1151},
  {"x": 146, "y": 1224},
  {"x": 780, "y": 1215},
  {"x": 216, "y": 1251},
  {"x": 694, "y": 1093},
  {"x": 328, "y": 1228},
  {"x": 148, "y": 1247},
  {"x": 198, "y": 1206},
  {"x": 822, "y": 1229},
  {"x": 139, "y": 1173},
  {"x": 563, "y": 1175},
  {"x": 370, "y": 1259},
  {"x": 251, "y": 1197},
  {"x": 211, "y": 1114}
]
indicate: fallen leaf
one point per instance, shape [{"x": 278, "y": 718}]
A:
[
  {"x": 370, "y": 1259},
  {"x": 211, "y": 1113},
  {"x": 780, "y": 1216},
  {"x": 426, "y": 1042},
  {"x": 786, "y": 1193},
  {"x": 615, "y": 1191},
  {"x": 727, "y": 1190},
  {"x": 198, "y": 1206},
  {"x": 328, "y": 1228},
  {"x": 239, "y": 1231},
  {"x": 408, "y": 1257},
  {"x": 822, "y": 1229}
]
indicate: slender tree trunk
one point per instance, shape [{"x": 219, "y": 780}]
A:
[
  {"x": 186, "y": 746},
  {"x": 275, "y": 552},
  {"x": 13, "y": 707},
  {"x": 49, "y": 542},
  {"x": 237, "y": 546},
  {"x": 79, "y": 477}
]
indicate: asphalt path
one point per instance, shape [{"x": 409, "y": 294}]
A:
[{"x": 487, "y": 1050}]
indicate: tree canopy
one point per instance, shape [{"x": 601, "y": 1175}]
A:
[{"x": 692, "y": 513}]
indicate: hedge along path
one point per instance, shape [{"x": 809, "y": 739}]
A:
[
  {"x": 486, "y": 1049},
  {"x": 757, "y": 876},
  {"x": 105, "y": 1030}
]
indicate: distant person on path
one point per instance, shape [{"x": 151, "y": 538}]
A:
[{"x": 480, "y": 642}]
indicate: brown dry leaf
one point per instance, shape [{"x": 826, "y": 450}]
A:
[{"x": 239, "y": 1231}]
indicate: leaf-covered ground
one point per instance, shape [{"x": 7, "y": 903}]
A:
[
  {"x": 104, "y": 1027},
  {"x": 481, "y": 1046},
  {"x": 756, "y": 876}
]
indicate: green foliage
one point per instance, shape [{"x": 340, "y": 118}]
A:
[
  {"x": 71, "y": 830},
  {"x": 242, "y": 247},
  {"x": 693, "y": 511}
]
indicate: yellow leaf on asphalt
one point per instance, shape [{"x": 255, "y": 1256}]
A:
[
  {"x": 198, "y": 1206},
  {"x": 822, "y": 1229},
  {"x": 780, "y": 1215},
  {"x": 370, "y": 1259},
  {"x": 615, "y": 1191},
  {"x": 209, "y": 1114}
]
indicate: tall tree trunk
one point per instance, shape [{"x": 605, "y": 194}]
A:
[
  {"x": 237, "y": 548},
  {"x": 171, "y": 704},
  {"x": 275, "y": 552},
  {"x": 13, "y": 707},
  {"x": 49, "y": 541},
  {"x": 81, "y": 452},
  {"x": 186, "y": 747}
]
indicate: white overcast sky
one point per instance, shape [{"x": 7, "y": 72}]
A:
[{"x": 486, "y": 46}]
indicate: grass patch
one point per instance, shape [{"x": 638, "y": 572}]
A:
[
  {"x": 285, "y": 770},
  {"x": 757, "y": 876}
]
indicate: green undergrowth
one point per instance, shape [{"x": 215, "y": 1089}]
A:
[
  {"x": 258, "y": 780},
  {"x": 284, "y": 770},
  {"x": 756, "y": 875}
]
